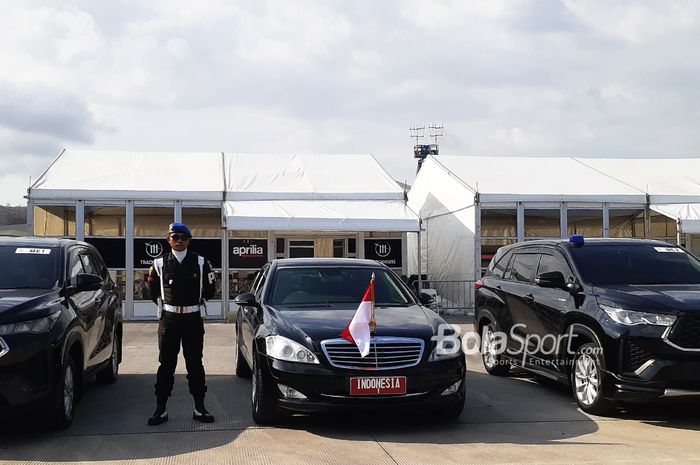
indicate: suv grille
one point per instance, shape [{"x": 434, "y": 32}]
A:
[
  {"x": 385, "y": 353},
  {"x": 634, "y": 356},
  {"x": 686, "y": 333}
]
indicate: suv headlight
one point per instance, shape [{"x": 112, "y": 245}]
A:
[
  {"x": 631, "y": 318},
  {"x": 282, "y": 348},
  {"x": 38, "y": 326}
]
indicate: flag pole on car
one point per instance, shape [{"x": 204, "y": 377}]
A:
[{"x": 363, "y": 323}]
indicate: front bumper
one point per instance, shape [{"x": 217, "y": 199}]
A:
[
  {"x": 26, "y": 369},
  {"x": 646, "y": 367},
  {"x": 328, "y": 389}
]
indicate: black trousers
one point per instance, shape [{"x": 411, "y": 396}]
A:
[{"x": 175, "y": 329}]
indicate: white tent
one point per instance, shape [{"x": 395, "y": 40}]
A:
[{"x": 451, "y": 192}]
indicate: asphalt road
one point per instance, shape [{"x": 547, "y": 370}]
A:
[{"x": 516, "y": 419}]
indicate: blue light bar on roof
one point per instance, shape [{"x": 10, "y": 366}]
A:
[{"x": 577, "y": 240}]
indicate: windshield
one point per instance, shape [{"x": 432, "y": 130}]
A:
[
  {"x": 28, "y": 267},
  {"x": 335, "y": 285},
  {"x": 636, "y": 264}
]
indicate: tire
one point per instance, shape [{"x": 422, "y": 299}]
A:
[
  {"x": 495, "y": 364},
  {"x": 264, "y": 411},
  {"x": 242, "y": 368},
  {"x": 588, "y": 380},
  {"x": 110, "y": 373},
  {"x": 62, "y": 406}
]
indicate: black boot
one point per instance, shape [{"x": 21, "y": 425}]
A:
[
  {"x": 201, "y": 413},
  {"x": 159, "y": 417}
]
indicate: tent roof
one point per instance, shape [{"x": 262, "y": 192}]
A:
[
  {"x": 93, "y": 174},
  {"x": 286, "y": 176},
  {"x": 501, "y": 179},
  {"x": 666, "y": 180}
]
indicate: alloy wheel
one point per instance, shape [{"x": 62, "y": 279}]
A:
[
  {"x": 586, "y": 379},
  {"x": 68, "y": 391}
]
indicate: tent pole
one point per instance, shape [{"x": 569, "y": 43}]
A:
[{"x": 420, "y": 266}]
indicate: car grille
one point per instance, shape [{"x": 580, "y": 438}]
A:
[
  {"x": 385, "y": 353},
  {"x": 686, "y": 333},
  {"x": 635, "y": 356}
]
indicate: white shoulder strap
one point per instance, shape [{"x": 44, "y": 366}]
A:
[
  {"x": 200, "y": 261},
  {"x": 158, "y": 265}
]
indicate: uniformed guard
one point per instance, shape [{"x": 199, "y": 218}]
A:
[{"x": 180, "y": 282}]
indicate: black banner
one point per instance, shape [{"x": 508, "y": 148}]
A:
[
  {"x": 387, "y": 251},
  {"x": 113, "y": 251},
  {"x": 145, "y": 250},
  {"x": 247, "y": 253}
]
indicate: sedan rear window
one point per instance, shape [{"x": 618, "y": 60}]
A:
[
  {"x": 636, "y": 264},
  {"x": 334, "y": 285},
  {"x": 28, "y": 267}
]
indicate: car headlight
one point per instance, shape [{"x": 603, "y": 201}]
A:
[
  {"x": 447, "y": 346},
  {"x": 631, "y": 318},
  {"x": 281, "y": 348},
  {"x": 37, "y": 326}
]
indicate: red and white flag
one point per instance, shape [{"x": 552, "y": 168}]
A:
[{"x": 358, "y": 330}]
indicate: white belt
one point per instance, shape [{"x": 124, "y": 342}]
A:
[{"x": 181, "y": 309}]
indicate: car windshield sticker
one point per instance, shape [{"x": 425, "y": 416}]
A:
[
  {"x": 32, "y": 251},
  {"x": 669, "y": 249}
]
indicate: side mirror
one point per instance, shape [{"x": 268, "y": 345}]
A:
[
  {"x": 426, "y": 299},
  {"x": 87, "y": 282},
  {"x": 553, "y": 279},
  {"x": 245, "y": 300}
]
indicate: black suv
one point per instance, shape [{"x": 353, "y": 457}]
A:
[
  {"x": 618, "y": 319},
  {"x": 60, "y": 322}
]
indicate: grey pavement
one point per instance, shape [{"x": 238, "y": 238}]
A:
[{"x": 516, "y": 419}]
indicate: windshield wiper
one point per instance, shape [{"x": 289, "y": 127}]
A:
[{"x": 392, "y": 305}]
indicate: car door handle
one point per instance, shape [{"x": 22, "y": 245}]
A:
[{"x": 529, "y": 298}]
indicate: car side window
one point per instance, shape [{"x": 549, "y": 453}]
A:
[
  {"x": 88, "y": 264},
  {"x": 75, "y": 266},
  {"x": 523, "y": 267},
  {"x": 261, "y": 283},
  {"x": 100, "y": 266},
  {"x": 552, "y": 262},
  {"x": 501, "y": 265}
]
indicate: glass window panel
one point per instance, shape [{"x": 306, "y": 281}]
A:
[
  {"x": 338, "y": 248},
  {"x": 203, "y": 222},
  {"x": 542, "y": 223},
  {"x": 119, "y": 277},
  {"x": 141, "y": 291},
  {"x": 152, "y": 221},
  {"x": 489, "y": 247},
  {"x": 662, "y": 227},
  {"x": 54, "y": 221},
  {"x": 499, "y": 223},
  {"x": 589, "y": 223},
  {"x": 105, "y": 221},
  {"x": 626, "y": 222},
  {"x": 240, "y": 281}
]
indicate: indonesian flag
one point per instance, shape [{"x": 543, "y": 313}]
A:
[{"x": 358, "y": 330}]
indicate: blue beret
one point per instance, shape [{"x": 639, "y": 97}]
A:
[{"x": 180, "y": 229}]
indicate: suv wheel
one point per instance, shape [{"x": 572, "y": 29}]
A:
[
  {"x": 588, "y": 380},
  {"x": 63, "y": 405},
  {"x": 494, "y": 363},
  {"x": 110, "y": 373}
]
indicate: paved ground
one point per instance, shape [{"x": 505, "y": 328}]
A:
[{"x": 507, "y": 420}]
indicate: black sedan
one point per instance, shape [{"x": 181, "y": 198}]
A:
[
  {"x": 60, "y": 322},
  {"x": 288, "y": 340}
]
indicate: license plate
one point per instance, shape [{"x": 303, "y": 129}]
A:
[{"x": 377, "y": 385}]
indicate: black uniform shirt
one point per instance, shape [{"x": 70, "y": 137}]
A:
[{"x": 181, "y": 281}]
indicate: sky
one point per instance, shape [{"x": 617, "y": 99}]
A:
[{"x": 503, "y": 77}]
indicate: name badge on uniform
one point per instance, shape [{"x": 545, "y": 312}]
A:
[{"x": 212, "y": 277}]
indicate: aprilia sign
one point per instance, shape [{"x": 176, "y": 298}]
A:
[{"x": 247, "y": 253}]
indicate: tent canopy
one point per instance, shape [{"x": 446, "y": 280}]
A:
[
  {"x": 275, "y": 192},
  {"x": 505, "y": 179},
  {"x": 320, "y": 215}
]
